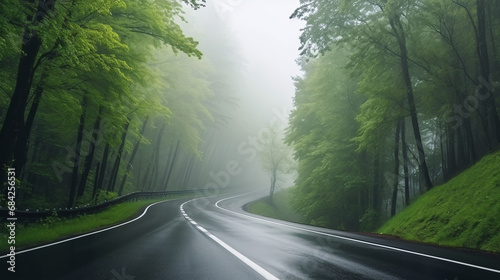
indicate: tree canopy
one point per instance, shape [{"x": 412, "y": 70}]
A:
[
  {"x": 81, "y": 87},
  {"x": 428, "y": 67}
]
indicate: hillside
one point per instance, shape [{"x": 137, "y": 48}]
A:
[
  {"x": 280, "y": 209},
  {"x": 464, "y": 212}
]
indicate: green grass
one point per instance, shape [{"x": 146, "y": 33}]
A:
[
  {"x": 464, "y": 212},
  {"x": 53, "y": 228},
  {"x": 279, "y": 209}
]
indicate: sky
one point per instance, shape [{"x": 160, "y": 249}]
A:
[
  {"x": 268, "y": 42},
  {"x": 264, "y": 42}
]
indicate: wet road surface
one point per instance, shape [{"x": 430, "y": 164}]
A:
[{"x": 213, "y": 238}]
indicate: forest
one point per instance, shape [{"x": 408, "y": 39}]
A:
[
  {"x": 103, "y": 98},
  {"x": 396, "y": 97}
]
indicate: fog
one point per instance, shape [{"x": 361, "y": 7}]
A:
[{"x": 253, "y": 46}]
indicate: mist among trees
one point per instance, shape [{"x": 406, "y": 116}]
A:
[
  {"x": 396, "y": 97},
  {"x": 102, "y": 100}
]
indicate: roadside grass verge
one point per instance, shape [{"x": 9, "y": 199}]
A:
[
  {"x": 279, "y": 209},
  {"x": 53, "y": 228},
  {"x": 464, "y": 212}
]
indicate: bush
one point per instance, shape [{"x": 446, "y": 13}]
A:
[
  {"x": 103, "y": 196},
  {"x": 37, "y": 203},
  {"x": 370, "y": 221},
  {"x": 50, "y": 220}
]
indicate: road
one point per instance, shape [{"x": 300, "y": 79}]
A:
[{"x": 213, "y": 238}]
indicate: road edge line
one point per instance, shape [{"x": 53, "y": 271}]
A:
[
  {"x": 356, "y": 240},
  {"x": 85, "y": 234}
]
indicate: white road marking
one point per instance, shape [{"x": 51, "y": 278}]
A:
[
  {"x": 264, "y": 273},
  {"x": 355, "y": 240},
  {"x": 84, "y": 235}
]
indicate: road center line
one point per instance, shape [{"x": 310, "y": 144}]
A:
[
  {"x": 355, "y": 240},
  {"x": 264, "y": 273}
]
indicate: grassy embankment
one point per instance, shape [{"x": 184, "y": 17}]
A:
[
  {"x": 53, "y": 228},
  {"x": 279, "y": 209},
  {"x": 464, "y": 212}
]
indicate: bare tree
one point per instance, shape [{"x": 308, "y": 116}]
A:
[{"x": 275, "y": 156}]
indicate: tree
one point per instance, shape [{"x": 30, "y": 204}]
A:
[
  {"x": 364, "y": 24},
  {"x": 333, "y": 177},
  {"x": 410, "y": 61},
  {"x": 14, "y": 119},
  {"x": 275, "y": 157},
  {"x": 394, "y": 12},
  {"x": 92, "y": 60}
]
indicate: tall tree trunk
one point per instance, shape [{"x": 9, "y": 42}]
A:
[
  {"x": 90, "y": 155},
  {"x": 404, "y": 149},
  {"x": 470, "y": 141},
  {"x": 171, "y": 166},
  {"x": 376, "y": 182},
  {"x": 396, "y": 170},
  {"x": 14, "y": 118},
  {"x": 451, "y": 150},
  {"x": 482, "y": 49},
  {"x": 76, "y": 163},
  {"x": 96, "y": 179},
  {"x": 398, "y": 30},
  {"x": 273, "y": 185},
  {"x": 491, "y": 26},
  {"x": 444, "y": 156},
  {"x": 37, "y": 153},
  {"x": 156, "y": 166},
  {"x": 132, "y": 156},
  {"x": 116, "y": 165},
  {"x": 150, "y": 181},
  {"x": 187, "y": 174},
  {"x": 146, "y": 179},
  {"x": 167, "y": 166},
  {"x": 138, "y": 181},
  {"x": 21, "y": 149},
  {"x": 102, "y": 171},
  {"x": 462, "y": 151}
]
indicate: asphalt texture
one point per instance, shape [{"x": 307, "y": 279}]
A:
[{"x": 213, "y": 238}]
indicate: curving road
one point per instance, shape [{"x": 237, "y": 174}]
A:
[{"x": 213, "y": 238}]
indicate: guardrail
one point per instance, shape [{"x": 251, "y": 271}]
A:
[{"x": 65, "y": 213}]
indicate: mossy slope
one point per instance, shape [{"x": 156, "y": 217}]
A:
[{"x": 464, "y": 212}]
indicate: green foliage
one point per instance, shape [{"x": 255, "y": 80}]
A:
[
  {"x": 280, "y": 208},
  {"x": 407, "y": 61},
  {"x": 187, "y": 92},
  {"x": 157, "y": 20},
  {"x": 98, "y": 60},
  {"x": 275, "y": 157},
  {"x": 463, "y": 212},
  {"x": 37, "y": 203},
  {"x": 100, "y": 197},
  {"x": 263, "y": 208},
  {"x": 322, "y": 125},
  {"x": 3, "y": 200},
  {"x": 370, "y": 221},
  {"x": 384, "y": 90},
  {"x": 11, "y": 11},
  {"x": 50, "y": 220}
]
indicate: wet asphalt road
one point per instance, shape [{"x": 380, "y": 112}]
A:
[{"x": 213, "y": 238}]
